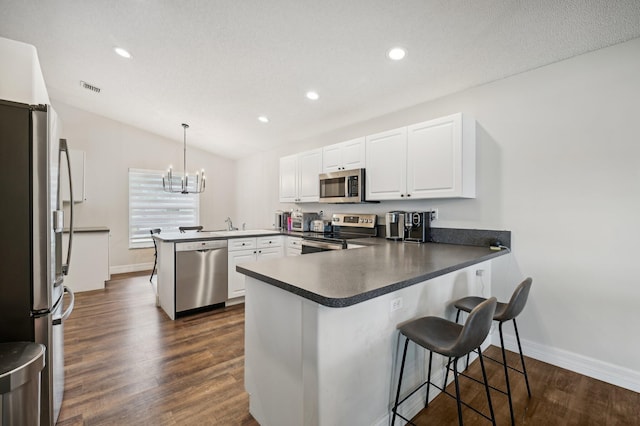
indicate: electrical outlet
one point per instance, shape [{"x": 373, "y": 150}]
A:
[
  {"x": 434, "y": 214},
  {"x": 479, "y": 272},
  {"x": 396, "y": 304}
]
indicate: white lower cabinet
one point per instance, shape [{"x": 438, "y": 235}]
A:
[
  {"x": 90, "y": 261},
  {"x": 294, "y": 246},
  {"x": 245, "y": 250}
]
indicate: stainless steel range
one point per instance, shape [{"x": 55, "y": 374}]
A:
[{"x": 344, "y": 227}]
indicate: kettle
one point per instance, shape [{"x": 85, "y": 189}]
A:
[{"x": 395, "y": 225}]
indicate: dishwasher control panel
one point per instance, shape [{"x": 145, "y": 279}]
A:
[{"x": 201, "y": 245}]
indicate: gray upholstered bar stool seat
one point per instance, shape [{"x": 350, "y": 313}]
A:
[
  {"x": 451, "y": 340},
  {"x": 504, "y": 312}
]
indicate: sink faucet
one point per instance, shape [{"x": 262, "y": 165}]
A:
[{"x": 230, "y": 226}]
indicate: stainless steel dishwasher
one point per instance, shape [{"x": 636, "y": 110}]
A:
[{"x": 201, "y": 274}]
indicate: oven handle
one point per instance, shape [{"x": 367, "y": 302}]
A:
[{"x": 322, "y": 245}]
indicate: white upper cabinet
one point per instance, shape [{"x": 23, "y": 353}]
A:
[
  {"x": 344, "y": 156},
  {"x": 386, "y": 176},
  {"x": 289, "y": 178},
  {"x": 433, "y": 159},
  {"x": 299, "y": 177}
]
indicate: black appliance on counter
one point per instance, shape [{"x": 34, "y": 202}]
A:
[
  {"x": 31, "y": 265},
  {"x": 344, "y": 227},
  {"x": 417, "y": 227}
]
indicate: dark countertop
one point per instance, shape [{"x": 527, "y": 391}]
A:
[
  {"x": 190, "y": 236},
  {"x": 342, "y": 278}
]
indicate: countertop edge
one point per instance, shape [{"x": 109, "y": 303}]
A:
[{"x": 362, "y": 297}]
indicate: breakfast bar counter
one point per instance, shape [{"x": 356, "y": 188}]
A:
[
  {"x": 321, "y": 329},
  {"x": 341, "y": 278}
]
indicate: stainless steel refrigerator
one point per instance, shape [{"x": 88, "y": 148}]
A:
[{"x": 32, "y": 302}]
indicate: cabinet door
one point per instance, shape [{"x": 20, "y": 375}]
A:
[
  {"x": 353, "y": 154},
  {"x": 236, "y": 279},
  {"x": 386, "y": 154},
  {"x": 294, "y": 246},
  {"x": 434, "y": 158},
  {"x": 309, "y": 167},
  {"x": 289, "y": 179},
  {"x": 332, "y": 158},
  {"x": 293, "y": 251}
]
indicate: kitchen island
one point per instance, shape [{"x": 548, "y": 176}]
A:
[
  {"x": 193, "y": 269},
  {"x": 320, "y": 330}
]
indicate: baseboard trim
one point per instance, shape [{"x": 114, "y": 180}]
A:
[
  {"x": 136, "y": 267},
  {"x": 597, "y": 369}
]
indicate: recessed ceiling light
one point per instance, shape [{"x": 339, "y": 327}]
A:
[
  {"x": 122, "y": 52},
  {"x": 313, "y": 95},
  {"x": 263, "y": 119},
  {"x": 396, "y": 54}
]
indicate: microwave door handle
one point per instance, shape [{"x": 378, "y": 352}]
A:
[{"x": 64, "y": 148}]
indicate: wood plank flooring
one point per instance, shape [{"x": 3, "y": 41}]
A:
[{"x": 128, "y": 364}]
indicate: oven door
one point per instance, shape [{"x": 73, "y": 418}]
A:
[{"x": 312, "y": 246}]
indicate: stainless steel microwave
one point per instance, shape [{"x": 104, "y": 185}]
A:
[{"x": 344, "y": 186}]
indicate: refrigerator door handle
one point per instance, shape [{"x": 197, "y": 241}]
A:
[
  {"x": 64, "y": 148},
  {"x": 67, "y": 313}
]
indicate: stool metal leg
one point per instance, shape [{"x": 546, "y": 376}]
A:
[
  {"x": 153, "y": 271},
  {"x": 486, "y": 387},
  {"x": 524, "y": 369},
  {"x": 506, "y": 373},
  {"x": 446, "y": 372},
  {"x": 455, "y": 379},
  {"x": 426, "y": 402},
  {"x": 404, "y": 357}
]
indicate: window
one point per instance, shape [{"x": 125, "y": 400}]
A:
[{"x": 150, "y": 207}]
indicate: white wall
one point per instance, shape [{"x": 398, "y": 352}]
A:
[
  {"x": 111, "y": 149},
  {"x": 559, "y": 165}
]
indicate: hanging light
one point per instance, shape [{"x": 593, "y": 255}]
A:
[{"x": 168, "y": 179}]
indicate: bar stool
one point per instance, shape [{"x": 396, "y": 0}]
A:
[
  {"x": 155, "y": 252},
  {"x": 452, "y": 340},
  {"x": 184, "y": 229},
  {"x": 504, "y": 312}
]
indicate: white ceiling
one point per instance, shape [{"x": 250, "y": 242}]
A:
[{"x": 218, "y": 65}]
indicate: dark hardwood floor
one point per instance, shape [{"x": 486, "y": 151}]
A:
[{"x": 128, "y": 364}]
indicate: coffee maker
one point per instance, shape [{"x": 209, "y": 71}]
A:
[
  {"x": 395, "y": 225},
  {"x": 417, "y": 227}
]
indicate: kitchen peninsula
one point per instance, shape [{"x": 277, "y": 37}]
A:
[{"x": 320, "y": 330}]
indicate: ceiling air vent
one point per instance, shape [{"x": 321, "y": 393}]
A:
[{"x": 88, "y": 86}]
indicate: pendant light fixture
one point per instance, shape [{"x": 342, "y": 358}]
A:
[{"x": 168, "y": 179}]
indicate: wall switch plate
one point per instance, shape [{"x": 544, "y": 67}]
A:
[{"x": 396, "y": 304}]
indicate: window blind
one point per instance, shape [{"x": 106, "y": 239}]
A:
[{"x": 150, "y": 207}]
